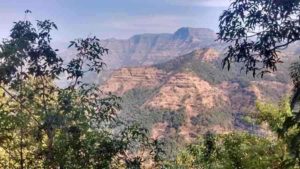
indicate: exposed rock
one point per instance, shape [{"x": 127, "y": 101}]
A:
[
  {"x": 159, "y": 130},
  {"x": 186, "y": 89},
  {"x": 126, "y": 79},
  {"x": 206, "y": 55}
]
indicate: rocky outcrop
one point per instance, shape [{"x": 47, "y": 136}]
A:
[
  {"x": 126, "y": 79},
  {"x": 206, "y": 55},
  {"x": 187, "y": 90}
]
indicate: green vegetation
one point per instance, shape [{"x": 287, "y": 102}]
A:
[
  {"x": 207, "y": 71},
  {"x": 212, "y": 72},
  {"x": 257, "y": 31},
  {"x": 236, "y": 150},
  {"x": 47, "y": 126},
  {"x": 135, "y": 111},
  {"x": 224, "y": 119},
  {"x": 243, "y": 150}
]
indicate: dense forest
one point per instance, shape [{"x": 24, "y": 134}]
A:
[{"x": 76, "y": 125}]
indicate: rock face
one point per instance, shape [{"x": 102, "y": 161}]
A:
[
  {"x": 126, "y": 79},
  {"x": 186, "y": 89},
  {"x": 207, "y": 55},
  {"x": 206, "y": 105},
  {"x": 148, "y": 49}
]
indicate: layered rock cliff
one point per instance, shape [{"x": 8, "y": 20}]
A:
[{"x": 194, "y": 85}]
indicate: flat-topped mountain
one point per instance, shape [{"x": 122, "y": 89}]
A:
[
  {"x": 148, "y": 49},
  {"x": 194, "y": 34}
]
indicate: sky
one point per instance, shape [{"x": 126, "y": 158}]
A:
[{"x": 113, "y": 18}]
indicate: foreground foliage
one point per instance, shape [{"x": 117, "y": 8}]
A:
[
  {"x": 237, "y": 150},
  {"x": 258, "y": 30},
  {"x": 44, "y": 125}
]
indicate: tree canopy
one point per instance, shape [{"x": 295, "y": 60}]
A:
[
  {"x": 44, "y": 125},
  {"x": 257, "y": 31}
]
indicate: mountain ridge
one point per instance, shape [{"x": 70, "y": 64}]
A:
[{"x": 149, "y": 48}]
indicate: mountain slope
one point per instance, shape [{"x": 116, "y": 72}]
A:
[{"x": 189, "y": 95}]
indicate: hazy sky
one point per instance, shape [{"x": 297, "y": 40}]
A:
[{"x": 113, "y": 18}]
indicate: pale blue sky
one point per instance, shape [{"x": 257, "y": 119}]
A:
[{"x": 113, "y": 18}]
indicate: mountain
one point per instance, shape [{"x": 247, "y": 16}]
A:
[
  {"x": 174, "y": 85},
  {"x": 190, "y": 94},
  {"x": 148, "y": 49}
]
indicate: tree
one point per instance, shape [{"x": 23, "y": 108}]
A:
[
  {"x": 44, "y": 125},
  {"x": 235, "y": 150},
  {"x": 257, "y": 31}
]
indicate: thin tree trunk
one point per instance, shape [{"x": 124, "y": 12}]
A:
[{"x": 21, "y": 150}]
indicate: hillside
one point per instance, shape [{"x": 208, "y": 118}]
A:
[{"x": 189, "y": 95}]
